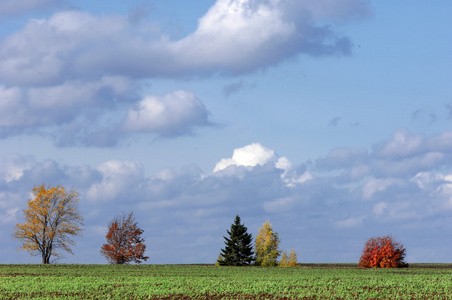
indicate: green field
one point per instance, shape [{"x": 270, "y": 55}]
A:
[{"x": 326, "y": 281}]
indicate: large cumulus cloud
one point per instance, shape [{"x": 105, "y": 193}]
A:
[
  {"x": 266, "y": 32},
  {"x": 248, "y": 156}
]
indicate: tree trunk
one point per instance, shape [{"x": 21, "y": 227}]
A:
[{"x": 46, "y": 257}]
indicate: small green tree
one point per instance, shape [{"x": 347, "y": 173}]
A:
[
  {"x": 267, "y": 246},
  {"x": 239, "y": 249},
  {"x": 288, "y": 260}
]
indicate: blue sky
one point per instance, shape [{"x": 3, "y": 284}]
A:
[{"x": 329, "y": 118}]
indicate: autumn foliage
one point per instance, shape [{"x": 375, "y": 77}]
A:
[
  {"x": 124, "y": 241},
  {"x": 382, "y": 252},
  {"x": 289, "y": 260},
  {"x": 51, "y": 218},
  {"x": 267, "y": 246}
]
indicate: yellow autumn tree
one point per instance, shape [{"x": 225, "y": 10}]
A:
[
  {"x": 51, "y": 219},
  {"x": 288, "y": 260},
  {"x": 267, "y": 246}
]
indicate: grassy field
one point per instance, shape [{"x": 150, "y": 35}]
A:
[{"x": 209, "y": 282}]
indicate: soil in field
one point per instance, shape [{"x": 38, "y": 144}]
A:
[{"x": 234, "y": 296}]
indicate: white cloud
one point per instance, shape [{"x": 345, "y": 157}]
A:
[
  {"x": 359, "y": 171},
  {"x": 280, "y": 205},
  {"x": 117, "y": 179},
  {"x": 48, "y": 51},
  {"x": 290, "y": 176},
  {"x": 306, "y": 176},
  {"x": 91, "y": 113},
  {"x": 255, "y": 154},
  {"x": 13, "y": 167},
  {"x": 9, "y": 216},
  {"x": 403, "y": 143},
  {"x": 248, "y": 156},
  {"x": 379, "y": 209},
  {"x": 236, "y": 24},
  {"x": 283, "y": 163},
  {"x": 351, "y": 222},
  {"x": 404, "y": 154},
  {"x": 410, "y": 164},
  {"x": 9, "y": 206},
  {"x": 76, "y": 94},
  {"x": 425, "y": 179},
  {"x": 343, "y": 157},
  {"x": 12, "y": 107},
  {"x": 48, "y": 106},
  {"x": 446, "y": 189},
  {"x": 439, "y": 186},
  {"x": 234, "y": 36},
  {"x": 441, "y": 142},
  {"x": 172, "y": 114},
  {"x": 265, "y": 32},
  {"x": 375, "y": 185}
]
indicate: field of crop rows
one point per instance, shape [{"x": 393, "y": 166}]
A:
[{"x": 209, "y": 282}]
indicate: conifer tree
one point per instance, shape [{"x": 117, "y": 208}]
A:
[{"x": 239, "y": 248}]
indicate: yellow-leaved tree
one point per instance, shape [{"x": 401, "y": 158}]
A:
[
  {"x": 51, "y": 219},
  {"x": 267, "y": 246},
  {"x": 289, "y": 260}
]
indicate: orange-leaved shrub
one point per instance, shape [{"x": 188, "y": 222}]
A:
[{"x": 383, "y": 252}]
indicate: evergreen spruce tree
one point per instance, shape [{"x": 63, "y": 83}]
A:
[{"x": 239, "y": 248}]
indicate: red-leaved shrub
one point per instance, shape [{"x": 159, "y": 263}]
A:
[
  {"x": 382, "y": 252},
  {"x": 124, "y": 241}
]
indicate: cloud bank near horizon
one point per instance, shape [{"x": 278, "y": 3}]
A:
[{"x": 349, "y": 193}]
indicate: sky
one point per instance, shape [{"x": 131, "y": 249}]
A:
[{"x": 332, "y": 119}]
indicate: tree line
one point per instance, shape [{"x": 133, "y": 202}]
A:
[{"x": 52, "y": 219}]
